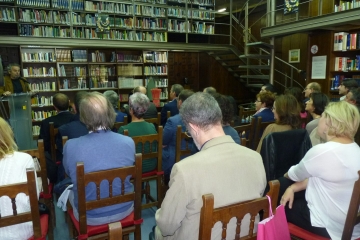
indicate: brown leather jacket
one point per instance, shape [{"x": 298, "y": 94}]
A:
[{"x": 9, "y": 86}]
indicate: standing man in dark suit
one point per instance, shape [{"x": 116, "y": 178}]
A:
[
  {"x": 63, "y": 116},
  {"x": 171, "y": 106}
]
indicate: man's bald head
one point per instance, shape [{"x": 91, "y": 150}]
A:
[{"x": 140, "y": 89}]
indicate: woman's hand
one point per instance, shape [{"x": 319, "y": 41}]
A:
[{"x": 288, "y": 197}]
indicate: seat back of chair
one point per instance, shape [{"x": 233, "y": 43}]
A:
[
  {"x": 117, "y": 125},
  {"x": 245, "y": 114},
  {"x": 209, "y": 216},
  {"x": 39, "y": 153},
  {"x": 182, "y": 137},
  {"x": 156, "y": 121},
  {"x": 115, "y": 231},
  {"x": 53, "y": 132},
  {"x": 259, "y": 129},
  {"x": 155, "y": 143},
  {"x": 97, "y": 177},
  {"x": 168, "y": 114},
  {"x": 353, "y": 215},
  {"x": 249, "y": 130},
  {"x": 28, "y": 188},
  {"x": 278, "y": 155}
]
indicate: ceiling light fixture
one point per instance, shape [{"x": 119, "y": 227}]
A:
[{"x": 222, "y": 10}]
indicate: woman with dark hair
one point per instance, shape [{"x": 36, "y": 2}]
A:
[
  {"x": 227, "y": 116},
  {"x": 315, "y": 106},
  {"x": 263, "y": 104},
  {"x": 287, "y": 116},
  {"x": 297, "y": 93}
]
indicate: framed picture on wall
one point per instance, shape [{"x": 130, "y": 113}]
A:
[{"x": 294, "y": 55}]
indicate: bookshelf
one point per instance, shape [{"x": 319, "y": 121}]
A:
[{"x": 345, "y": 60}]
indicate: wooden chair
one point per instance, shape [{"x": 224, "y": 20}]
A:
[
  {"x": 249, "y": 130},
  {"x": 40, "y": 223},
  {"x": 115, "y": 231},
  {"x": 209, "y": 216},
  {"x": 53, "y": 132},
  {"x": 352, "y": 218},
  {"x": 47, "y": 188},
  {"x": 180, "y": 136},
  {"x": 158, "y": 173},
  {"x": 131, "y": 223},
  {"x": 243, "y": 142},
  {"x": 246, "y": 114},
  {"x": 156, "y": 121},
  {"x": 117, "y": 125},
  {"x": 259, "y": 129}
]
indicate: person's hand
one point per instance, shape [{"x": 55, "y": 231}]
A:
[
  {"x": 288, "y": 197},
  {"x": 7, "y": 93}
]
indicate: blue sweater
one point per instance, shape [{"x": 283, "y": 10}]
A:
[{"x": 100, "y": 151}]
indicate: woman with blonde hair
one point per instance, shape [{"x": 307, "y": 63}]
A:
[
  {"x": 320, "y": 186},
  {"x": 287, "y": 116},
  {"x": 13, "y": 165}
]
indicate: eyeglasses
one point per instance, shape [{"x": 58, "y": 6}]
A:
[{"x": 187, "y": 133}]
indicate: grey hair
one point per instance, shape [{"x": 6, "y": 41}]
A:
[
  {"x": 12, "y": 65},
  {"x": 96, "y": 112},
  {"x": 113, "y": 97},
  {"x": 139, "y": 103},
  {"x": 202, "y": 110}
]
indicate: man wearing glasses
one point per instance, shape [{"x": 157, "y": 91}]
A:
[{"x": 310, "y": 88}]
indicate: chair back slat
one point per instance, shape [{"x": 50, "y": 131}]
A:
[
  {"x": 117, "y": 125},
  {"x": 260, "y": 127},
  {"x": 115, "y": 231},
  {"x": 83, "y": 179},
  {"x": 180, "y": 136},
  {"x": 249, "y": 130},
  {"x": 28, "y": 188},
  {"x": 353, "y": 215},
  {"x": 209, "y": 216},
  {"x": 156, "y": 121},
  {"x": 53, "y": 132},
  {"x": 246, "y": 114}
]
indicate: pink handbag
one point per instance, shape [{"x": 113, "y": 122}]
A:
[{"x": 274, "y": 227}]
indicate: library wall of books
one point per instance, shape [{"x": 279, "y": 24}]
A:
[{"x": 132, "y": 20}]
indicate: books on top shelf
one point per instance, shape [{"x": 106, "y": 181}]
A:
[
  {"x": 346, "y": 5},
  {"x": 38, "y": 56},
  {"x": 346, "y": 41},
  {"x": 34, "y": 3},
  {"x": 347, "y": 64},
  {"x": 7, "y": 14},
  {"x": 156, "y": 57}
]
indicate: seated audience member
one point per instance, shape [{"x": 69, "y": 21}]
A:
[
  {"x": 319, "y": 188},
  {"x": 73, "y": 129},
  {"x": 315, "y": 106},
  {"x": 138, "y": 105},
  {"x": 296, "y": 92},
  {"x": 263, "y": 104},
  {"x": 228, "y": 170},
  {"x": 169, "y": 137},
  {"x": 210, "y": 90},
  {"x": 152, "y": 110},
  {"x": 312, "y": 87},
  {"x": 13, "y": 165},
  {"x": 268, "y": 88},
  {"x": 227, "y": 115},
  {"x": 63, "y": 116},
  {"x": 353, "y": 97},
  {"x": 171, "y": 106},
  {"x": 287, "y": 116},
  {"x": 113, "y": 97},
  {"x": 346, "y": 86},
  {"x": 101, "y": 149}
]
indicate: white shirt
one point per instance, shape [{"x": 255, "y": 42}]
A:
[
  {"x": 332, "y": 170},
  {"x": 13, "y": 170}
]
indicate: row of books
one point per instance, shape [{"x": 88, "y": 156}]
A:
[
  {"x": 7, "y": 14},
  {"x": 97, "y": 56},
  {"x": 195, "y": 2},
  {"x": 63, "y": 55},
  {"x": 121, "y": 22},
  {"x": 7, "y": 0},
  {"x": 129, "y": 70},
  {"x": 79, "y": 55},
  {"x": 144, "y": 10},
  {"x": 159, "y": 82},
  {"x": 346, "y": 5},
  {"x": 41, "y": 115},
  {"x": 43, "y": 87},
  {"x": 39, "y": 72},
  {"x": 129, "y": 82},
  {"x": 38, "y": 57},
  {"x": 150, "y": 23},
  {"x": 155, "y": 70},
  {"x": 34, "y": 3},
  {"x": 36, "y": 130},
  {"x": 123, "y": 57},
  {"x": 347, "y": 64},
  {"x": 346, "y": 41},
  {"x": 67, "y": 71},
  {"x": 100, "y": 6},
  {"x": 42, "y": 16},
  {"x": 73, "y": 84},
  {"x": 202, "y": 27},
  {"x": 100, "y": 83},
  {"x": 156, "y": 57},
  {"x": 44, "y": 31},
  {"x": 101, "y": 70},
  {"x": 191, "y": 13},
  {"x": 178, "y": 26},
  {"x": 338, "y": 79}
]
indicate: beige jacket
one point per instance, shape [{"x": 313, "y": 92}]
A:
[{"x": 229, "y": 171}]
